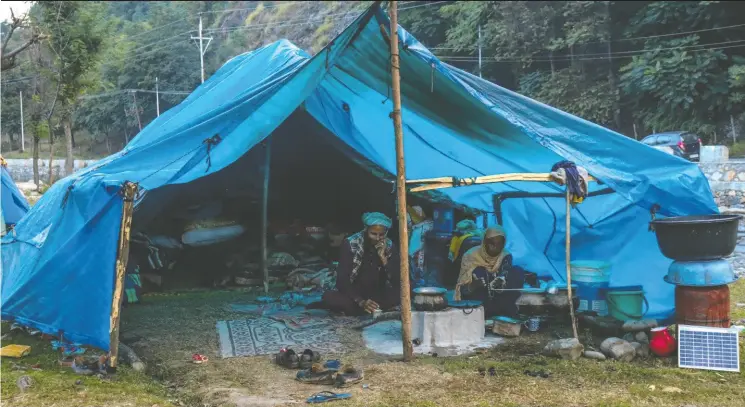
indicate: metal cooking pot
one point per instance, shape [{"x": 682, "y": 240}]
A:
[
  {"x": 430, "y": 299},
  {"x": 693, "y": 238}
]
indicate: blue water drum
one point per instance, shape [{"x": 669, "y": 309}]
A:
[
  {"x": 444, "y": 221},
  {"x": 592, "y": 278}
]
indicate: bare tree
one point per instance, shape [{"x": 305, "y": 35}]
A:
[{"x": 8, "y": 60}]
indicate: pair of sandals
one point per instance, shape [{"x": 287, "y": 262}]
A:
[
  {"x": 289, "y": 359},
  {"x": 330, "y": 374}
]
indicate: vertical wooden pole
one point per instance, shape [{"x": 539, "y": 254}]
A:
[
  {"x": 265, "y": 212},
  {"x": 122, "y": 257},
  {"x": 403, "y": 233},
  {"x": 568, "y": 261}
]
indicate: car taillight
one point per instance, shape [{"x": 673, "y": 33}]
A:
[
  {"x": 681, "y": 145},
  {"x": 700, "y": 143}
]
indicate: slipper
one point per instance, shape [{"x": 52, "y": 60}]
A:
[
  {"x": 348, "y": 376},
  {"x": 317, "y": 375},
  {"x": 197, "y": 358},
  {"x": 332, "y": 364},
  {"x": 324, "y": 396},
  {"x": 308, "y": 358},
  {"x": 287, "y": 358}
]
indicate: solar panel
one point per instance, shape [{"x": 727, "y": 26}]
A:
[{"x": 701, "y": 347}]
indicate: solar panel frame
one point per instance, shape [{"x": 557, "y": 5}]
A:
[{"x": 708, "y": 348}]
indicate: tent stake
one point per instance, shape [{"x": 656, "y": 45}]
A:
[
  {"x": 403, "y": 233},
  {"x": 122, "y": 257},
  {"x": 568, "y": 260},
  {"x": 264, "y": 212}
]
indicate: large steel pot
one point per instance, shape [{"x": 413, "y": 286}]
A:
[
  {"x": 430, "y": 299},
  {"x": 694, "y": 238}
]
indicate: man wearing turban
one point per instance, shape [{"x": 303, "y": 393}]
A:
[{"x": 368, "y": 275}]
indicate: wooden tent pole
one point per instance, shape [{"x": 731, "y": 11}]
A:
[
  {"x": 129, "y": 190},
  {"x": 568, "y": 261},
  {"x": 264, "y": 214},
  {"x": 403, "y": 232}
]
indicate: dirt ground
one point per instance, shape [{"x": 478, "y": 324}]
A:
[
  {"x": 172, "y": 328},
  {"x": 165, "y": 330}
]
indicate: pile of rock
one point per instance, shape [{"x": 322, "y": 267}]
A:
[{"x": 634, "y": 344}]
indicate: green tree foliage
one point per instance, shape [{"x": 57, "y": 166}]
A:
[{"x": 632, "y": 66}]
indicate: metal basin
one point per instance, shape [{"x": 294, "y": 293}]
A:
[
  {"x": 700, "y": 273},
  {"x": 695, "y": 238}
]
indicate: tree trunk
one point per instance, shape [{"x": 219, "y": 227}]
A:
[
  {"x": 51, "y": 156},
  {"x": 69, "y": 160},
  {"x": 36, "y": 160}
]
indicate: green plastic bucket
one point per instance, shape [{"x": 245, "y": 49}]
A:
[{"x": 625, "y": 303}]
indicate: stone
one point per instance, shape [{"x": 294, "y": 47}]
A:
[
  {"x": 717, "y": 176},
  {"x": 618, "y": 349},
  {"x": 730, "y": 175},
  {"x": 569, "y": 349},
  {"x": 591, "y": 354},
  {"x": 629, "y": 337},
  {"x": 641, "y": 349},
  {"x": 639, "y": 325},
  {"x": 641, "y": 337},
  {"x": 731, "y": 193},
  {"x": 669, "y": 389}
]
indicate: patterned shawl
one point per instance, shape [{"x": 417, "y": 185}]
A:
[{"x": 357, "y": 242}]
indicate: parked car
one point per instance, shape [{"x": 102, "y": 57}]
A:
[{"x": 683, "y": 144}]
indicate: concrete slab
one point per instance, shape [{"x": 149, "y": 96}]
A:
[{"x": 385, "y": 338}]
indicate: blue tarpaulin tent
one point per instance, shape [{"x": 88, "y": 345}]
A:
[
  {"x": 455, "y": 124},
  {"x": 14, "y": 204}
]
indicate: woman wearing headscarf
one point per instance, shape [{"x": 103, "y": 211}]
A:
[
  {"x": 368, "y": 276},
  {"x": 418, "y": 228},
  {"x": 463, "y": 230},
  {"x": 487, "y": 270}
]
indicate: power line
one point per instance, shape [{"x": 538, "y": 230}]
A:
[
  {"x": 262, "y": 7},
  {"x": 623, "y": 39},
  {"x": 122, "y": 91},
  {"x": 604, "y": 55},
  {"x": 512, "y": 60}
]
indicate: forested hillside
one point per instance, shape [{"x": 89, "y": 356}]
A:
[{"x": 636, "y": 67}]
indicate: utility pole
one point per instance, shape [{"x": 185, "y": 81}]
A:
[
  {"x": 731, "y": 121},
  {"x": 137, "y": 111},
  {"x": 23, "y": 139},
  {"x": 202, "y": 47},
  {"x": 157, "y": 98},
  {"x": 403, "y": 234},
  {"x": 480, "y": 51}
]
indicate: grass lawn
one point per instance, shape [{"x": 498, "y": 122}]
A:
[
  {"x": 166, "y": 330},
  {"x": 54, "y": 385}
]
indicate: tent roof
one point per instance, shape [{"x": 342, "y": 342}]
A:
[
  {"x": 14, "y": 203},
  {"x": 455, "y": 124}
]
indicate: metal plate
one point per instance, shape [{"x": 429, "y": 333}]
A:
[
  {"x": 430, "y": 290},
  {"x": 708, "y": 348}
]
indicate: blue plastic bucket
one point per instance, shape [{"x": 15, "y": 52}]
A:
[
  {"x": 443, "y": 219},
  {"x": 592, "y": 279}
]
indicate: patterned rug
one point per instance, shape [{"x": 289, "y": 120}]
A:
[{"x": 265, "y": 336}]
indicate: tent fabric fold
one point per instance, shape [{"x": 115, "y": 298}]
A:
[{"x": 58, "y": 264}]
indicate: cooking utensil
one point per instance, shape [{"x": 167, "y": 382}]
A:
[
  {"x": 430, "y": 299},
  {"x": 701, "y": 273},
  {"x": 692, "y": 238}
]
